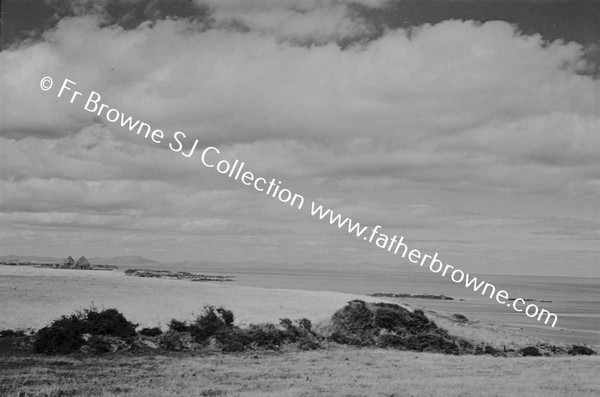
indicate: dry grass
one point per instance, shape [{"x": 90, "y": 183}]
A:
[
  {"x": 335, "y": 372},
  {"x": 33, "y": 297}
]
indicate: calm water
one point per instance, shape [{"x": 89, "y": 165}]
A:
[{"x": 576, "y": 301}]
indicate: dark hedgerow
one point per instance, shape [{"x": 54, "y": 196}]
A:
[{"x": 65, "y": 335}]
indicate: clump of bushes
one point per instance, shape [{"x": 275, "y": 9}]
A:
[
  {"x": 354, "y": 324},
  {"x": 66, "y": 334},
  {"x": 216, "y": 325},
  {"x": 581, "y": 350},
  {"x": 211, "y": 322},
  {"x": 392, "y": 326},
  {"x": 108, "y": 330},
  {"x": 176, "y": 341},
  {"x": 530, "y": 351},
  {"x": 301, "y": 333}
]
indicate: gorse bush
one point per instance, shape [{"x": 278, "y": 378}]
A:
[
  {"x": 176, "y": 341},
  {"x": 107, "y": 322},
  {"x": 581, "y": 350},
  {"x": 530, "y": 351},
  {"x": 65, "y": 335},
  {"x": 210, "y": 323},
  {"x": 392, "y": 326},
  {"x": 353, "y": 324},
  {"x": 178, "y": 326}
]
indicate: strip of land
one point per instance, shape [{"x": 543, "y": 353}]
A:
[{"x": 337, "y": 372}]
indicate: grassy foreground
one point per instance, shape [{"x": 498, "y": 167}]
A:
[{"x": 340, "y": 371}]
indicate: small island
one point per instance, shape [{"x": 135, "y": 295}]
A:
[
  {"x": 173, "y": 275},
  {"x": 414, "y": 296}
]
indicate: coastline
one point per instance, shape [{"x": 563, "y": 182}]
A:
[{"x": 35, "y": 296}]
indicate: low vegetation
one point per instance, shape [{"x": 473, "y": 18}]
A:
[
  {"x": 392, "y": 326},
  {"x": 378, "y": 325},
  {"x": 69, "y": 333}
]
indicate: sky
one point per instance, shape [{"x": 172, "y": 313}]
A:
[{"x": 471, "y": 128}]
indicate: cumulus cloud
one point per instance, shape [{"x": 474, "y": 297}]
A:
[{"x": 456, "y": 108}]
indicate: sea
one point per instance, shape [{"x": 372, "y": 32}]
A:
[{"x": 576, "y": 301}]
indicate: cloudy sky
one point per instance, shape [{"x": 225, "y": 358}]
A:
[{"x": 470, "y": 127}]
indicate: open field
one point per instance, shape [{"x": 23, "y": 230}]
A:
[
  {"x": 32, "y": 297},
  {"x": 336, "y": 372}
]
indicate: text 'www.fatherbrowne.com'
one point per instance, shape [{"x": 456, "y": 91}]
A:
[{"x": 236, "y": 170}]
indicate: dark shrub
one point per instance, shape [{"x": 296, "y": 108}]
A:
[
  {"x": 154, "y": 331},
  {"x": 309, "y": 342},
  {"x": 420, "y": 323},
  {"x": 178, "y": 326},
  {"x": 530, "y": 351},
  {"x": 581, "y": 350},
  {"x": 98, "y": 345},
  {"x": 491, "y": 350},
  {"x": 9, "y": 333},
  {"x": 234, "y": 339},
  {"x": 305, "y": 324},
  {"x": 459, "y": 318},
  {"x": 431, "y": 343},
  {"x": 210, "y": 322},
  {"x": 465, "y": 346},
  {"x": 65, "y": 335},
  {"x": 226, "y": 316},
  {"x": 292, "y": 333},
  {"x": 388, "y": 318},
  {"x": 354, "y": 324},
  {"x": 266, "y": 336},
  {"x": 58, "y": 338},
  {"x": 391, "y": 341},
  {"x": 364, "y": 324},
  {"x": 176, "y": 341},
  {"x": 301, "y": 333},
  {"x": 107, "y": 322}
]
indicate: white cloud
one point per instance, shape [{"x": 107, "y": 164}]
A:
[{"x": 457, "y": 105}]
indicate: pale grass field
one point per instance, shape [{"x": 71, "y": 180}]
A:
[
  {"x": 335, "y": 372},
  {"x": 33, "y": 297}
]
